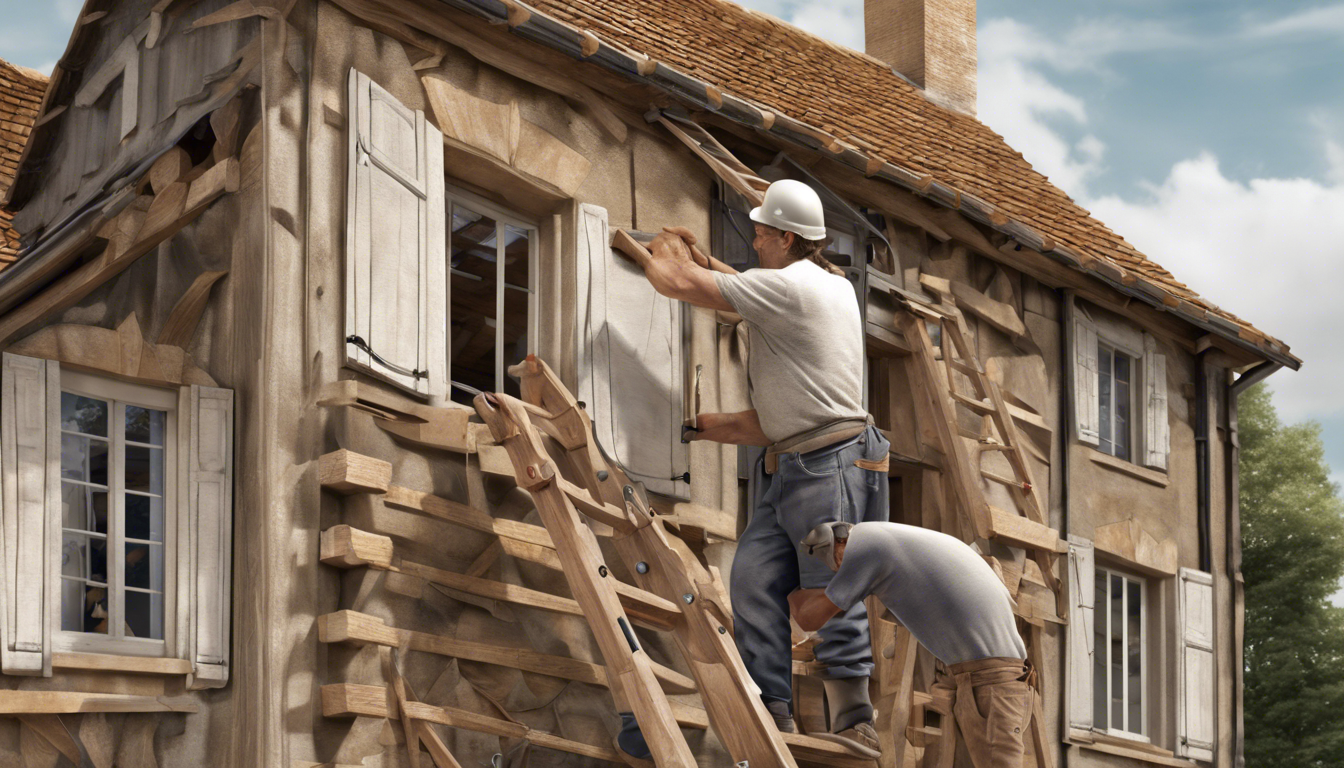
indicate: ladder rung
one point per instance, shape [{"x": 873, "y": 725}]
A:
[
  {"x": 979, "y": 406},
  {"x": 984, "y": 445},
  {"x": 1023, "y": 532},
  {"x": 961, "y": 365},
  {"x": 1008, "y": 481},
  {"x": 646, "y": 607},
  {"x": 600, "y": 511},
  {"x": 923, "y": 737}
]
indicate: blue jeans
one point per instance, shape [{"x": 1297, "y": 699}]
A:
[{"x": 807, "y": 490}]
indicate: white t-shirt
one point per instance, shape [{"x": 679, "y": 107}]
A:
[
  {"x": 935, "y": 585},
  {"x": 806, "y": 346}
]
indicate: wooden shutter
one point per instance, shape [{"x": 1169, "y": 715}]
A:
[
  {"x": 395, "y": 191},
  {"x": 1157, "y": 429},
  {"x": 30, "y": 454},
  {"x": 206, "y": 437},
  {"x": 1087, "y": 417},
  {"x": 1196, "y": 705},
  {"x": 631, "y": 372},
  {"x": 1082, "y": 595}
]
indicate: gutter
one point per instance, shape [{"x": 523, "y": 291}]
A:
[{"x": 537, "y": 27}]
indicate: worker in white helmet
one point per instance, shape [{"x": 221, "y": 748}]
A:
[{"x": 824, "y": 462}]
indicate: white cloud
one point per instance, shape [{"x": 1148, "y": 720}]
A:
[
  {"x": 839, "y": 22},
  {"x": 1323, "y": 20},
  {"x": 1270, "y": 251},
  {"x": 1019, "y": 101}
]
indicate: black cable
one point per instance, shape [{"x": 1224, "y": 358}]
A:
[{"x": 393, "y": 367}]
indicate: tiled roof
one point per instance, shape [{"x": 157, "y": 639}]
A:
[
  {"x": 21, "y": 92},
  {"x": 860, "y": 100}
]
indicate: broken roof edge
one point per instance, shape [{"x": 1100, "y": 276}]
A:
[{"x": 584, "y": 45}]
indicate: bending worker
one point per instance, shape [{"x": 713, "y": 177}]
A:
[
  {"x": 825, "y": 462},
  {"x": 953, "y": 604}
]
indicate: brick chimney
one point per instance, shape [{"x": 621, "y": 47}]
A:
[{"x": 932, "y": 42}]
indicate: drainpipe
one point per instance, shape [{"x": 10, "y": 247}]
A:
[
  {"x": 1067, "y": 416},
  {"x": 1203, "y": 491},
  {"x": 1233, "y": 473}
]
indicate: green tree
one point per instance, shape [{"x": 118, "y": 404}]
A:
[{"x": 1292, "y": 527}]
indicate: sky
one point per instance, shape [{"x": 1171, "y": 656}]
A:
[{"x": 1209, "y": 133}]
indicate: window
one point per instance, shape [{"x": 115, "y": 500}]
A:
[
  {"x": 117, "y": 470},
  {"x": 1119, "y": 675},
  {"x": 1120, "y": 389},
  {"x": 491, "y": 319},
  {"x": 118, "y": 519},
  {"x": 1115, "y": 400}
]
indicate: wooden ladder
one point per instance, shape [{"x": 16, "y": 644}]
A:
[
  {"x": 1026, "y": 526},
  {"x": 548, "y": 438}
]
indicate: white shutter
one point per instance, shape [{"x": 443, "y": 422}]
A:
[
  {"x": 206, "y": 434},
  {"x": 1157, "y": 430},
  {"x": 30, "y": 454},
  {"x": 629, "y": 360},
  {"x": 1086, "y": 409},
  {"x": 1196, "y": 704},
  {"x": 1082, "y": 596},
  {"x": 395, "y": 179}
]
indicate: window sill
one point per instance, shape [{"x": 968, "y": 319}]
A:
[
  {"x": 112, "y": 663},
  {"x": 1135, "y": 750},
  {"x": 1124, "y": 467}
]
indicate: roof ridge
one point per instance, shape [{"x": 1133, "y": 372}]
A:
[{"x": 35, "y": 78}]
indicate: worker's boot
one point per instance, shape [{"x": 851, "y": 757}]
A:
[
  {"x": 783, "y": 715},
  {"x": 852, "y": 716},
  {"x": 630, "y": 744}
]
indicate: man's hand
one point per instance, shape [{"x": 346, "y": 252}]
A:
[
  {"x": 741, "y": 428},
  {"x": 811, "y": 608},
  {"x": 676, "y": 273},
  {"x": 671, "y": 245}
]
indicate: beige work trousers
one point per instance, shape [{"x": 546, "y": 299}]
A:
[{"x": 990, "y": 702}]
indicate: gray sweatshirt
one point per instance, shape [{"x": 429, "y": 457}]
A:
[{"x": 935, "y": 585}]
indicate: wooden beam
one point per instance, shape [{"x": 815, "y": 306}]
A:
[
  {"x": 180, "y": 327},
  {"x": 110, "y": 663},
  {"x": 346, "y": 547},
  {"x": 67, "y": 702},
  {"x": 386, "y": 19},
  {"x": 1019, "y": 531},
  {"x": 347, "y": 473},
  {"x": 66, "y": 291},
  {"x": 360, "y": 629},
  {"x": 465, "y": 516},
  {"x": 351, "y": 700}
]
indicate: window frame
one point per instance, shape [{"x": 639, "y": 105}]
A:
[
  {"x": 1102, "y": 614},
  {"x": 458, "y": 196},
  {"x": 119, "y": 394},
  {"x": 1137, "y": 405}
]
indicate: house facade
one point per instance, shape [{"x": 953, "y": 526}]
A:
[{"x": 272, "y": 249}]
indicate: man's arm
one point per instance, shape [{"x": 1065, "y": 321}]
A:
[
  {"x": 673, "y": 272},
  {"x": 741, "y": 428},
  {"x": 811, "y": 608}
]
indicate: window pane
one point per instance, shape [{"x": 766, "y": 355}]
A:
[
  {"x": 144, "y": 566},
  {"x": 144, "y": 517},
  {"x": 84, "y": 459},
  {"x": 84, "y": 557},
  {"x": 83, "y": 607},
  {"x": 144, "y": 469},
  {"x": 1134, "y": 681},
  {"x": 1117, "y": 649},
  {"x": 83, "y": 508},
  {"x": 471, "y": 333},
  {"x": 144, "y": 425},
  {"x": 1122, "y": 406},
  {"x": 517, "y": 267},
  {"x": 83, "y": 414},
  {"x": 1099, "y": 644},
  {"x": 1104, "y": 355},
  {"x": 144, "y": 615}
]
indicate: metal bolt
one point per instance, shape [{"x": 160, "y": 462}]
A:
[
  {"x": 602, "y": 571},
  {"x": 629, "y": 492},
  {"x": 642, "y": 567},
  {"x": 602, "y": 475},
  {"x": 723, "y": 631},
  {"x": 688, "y": 598}
]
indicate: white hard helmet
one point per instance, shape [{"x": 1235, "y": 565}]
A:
[{"x": 793, "y": 207}]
